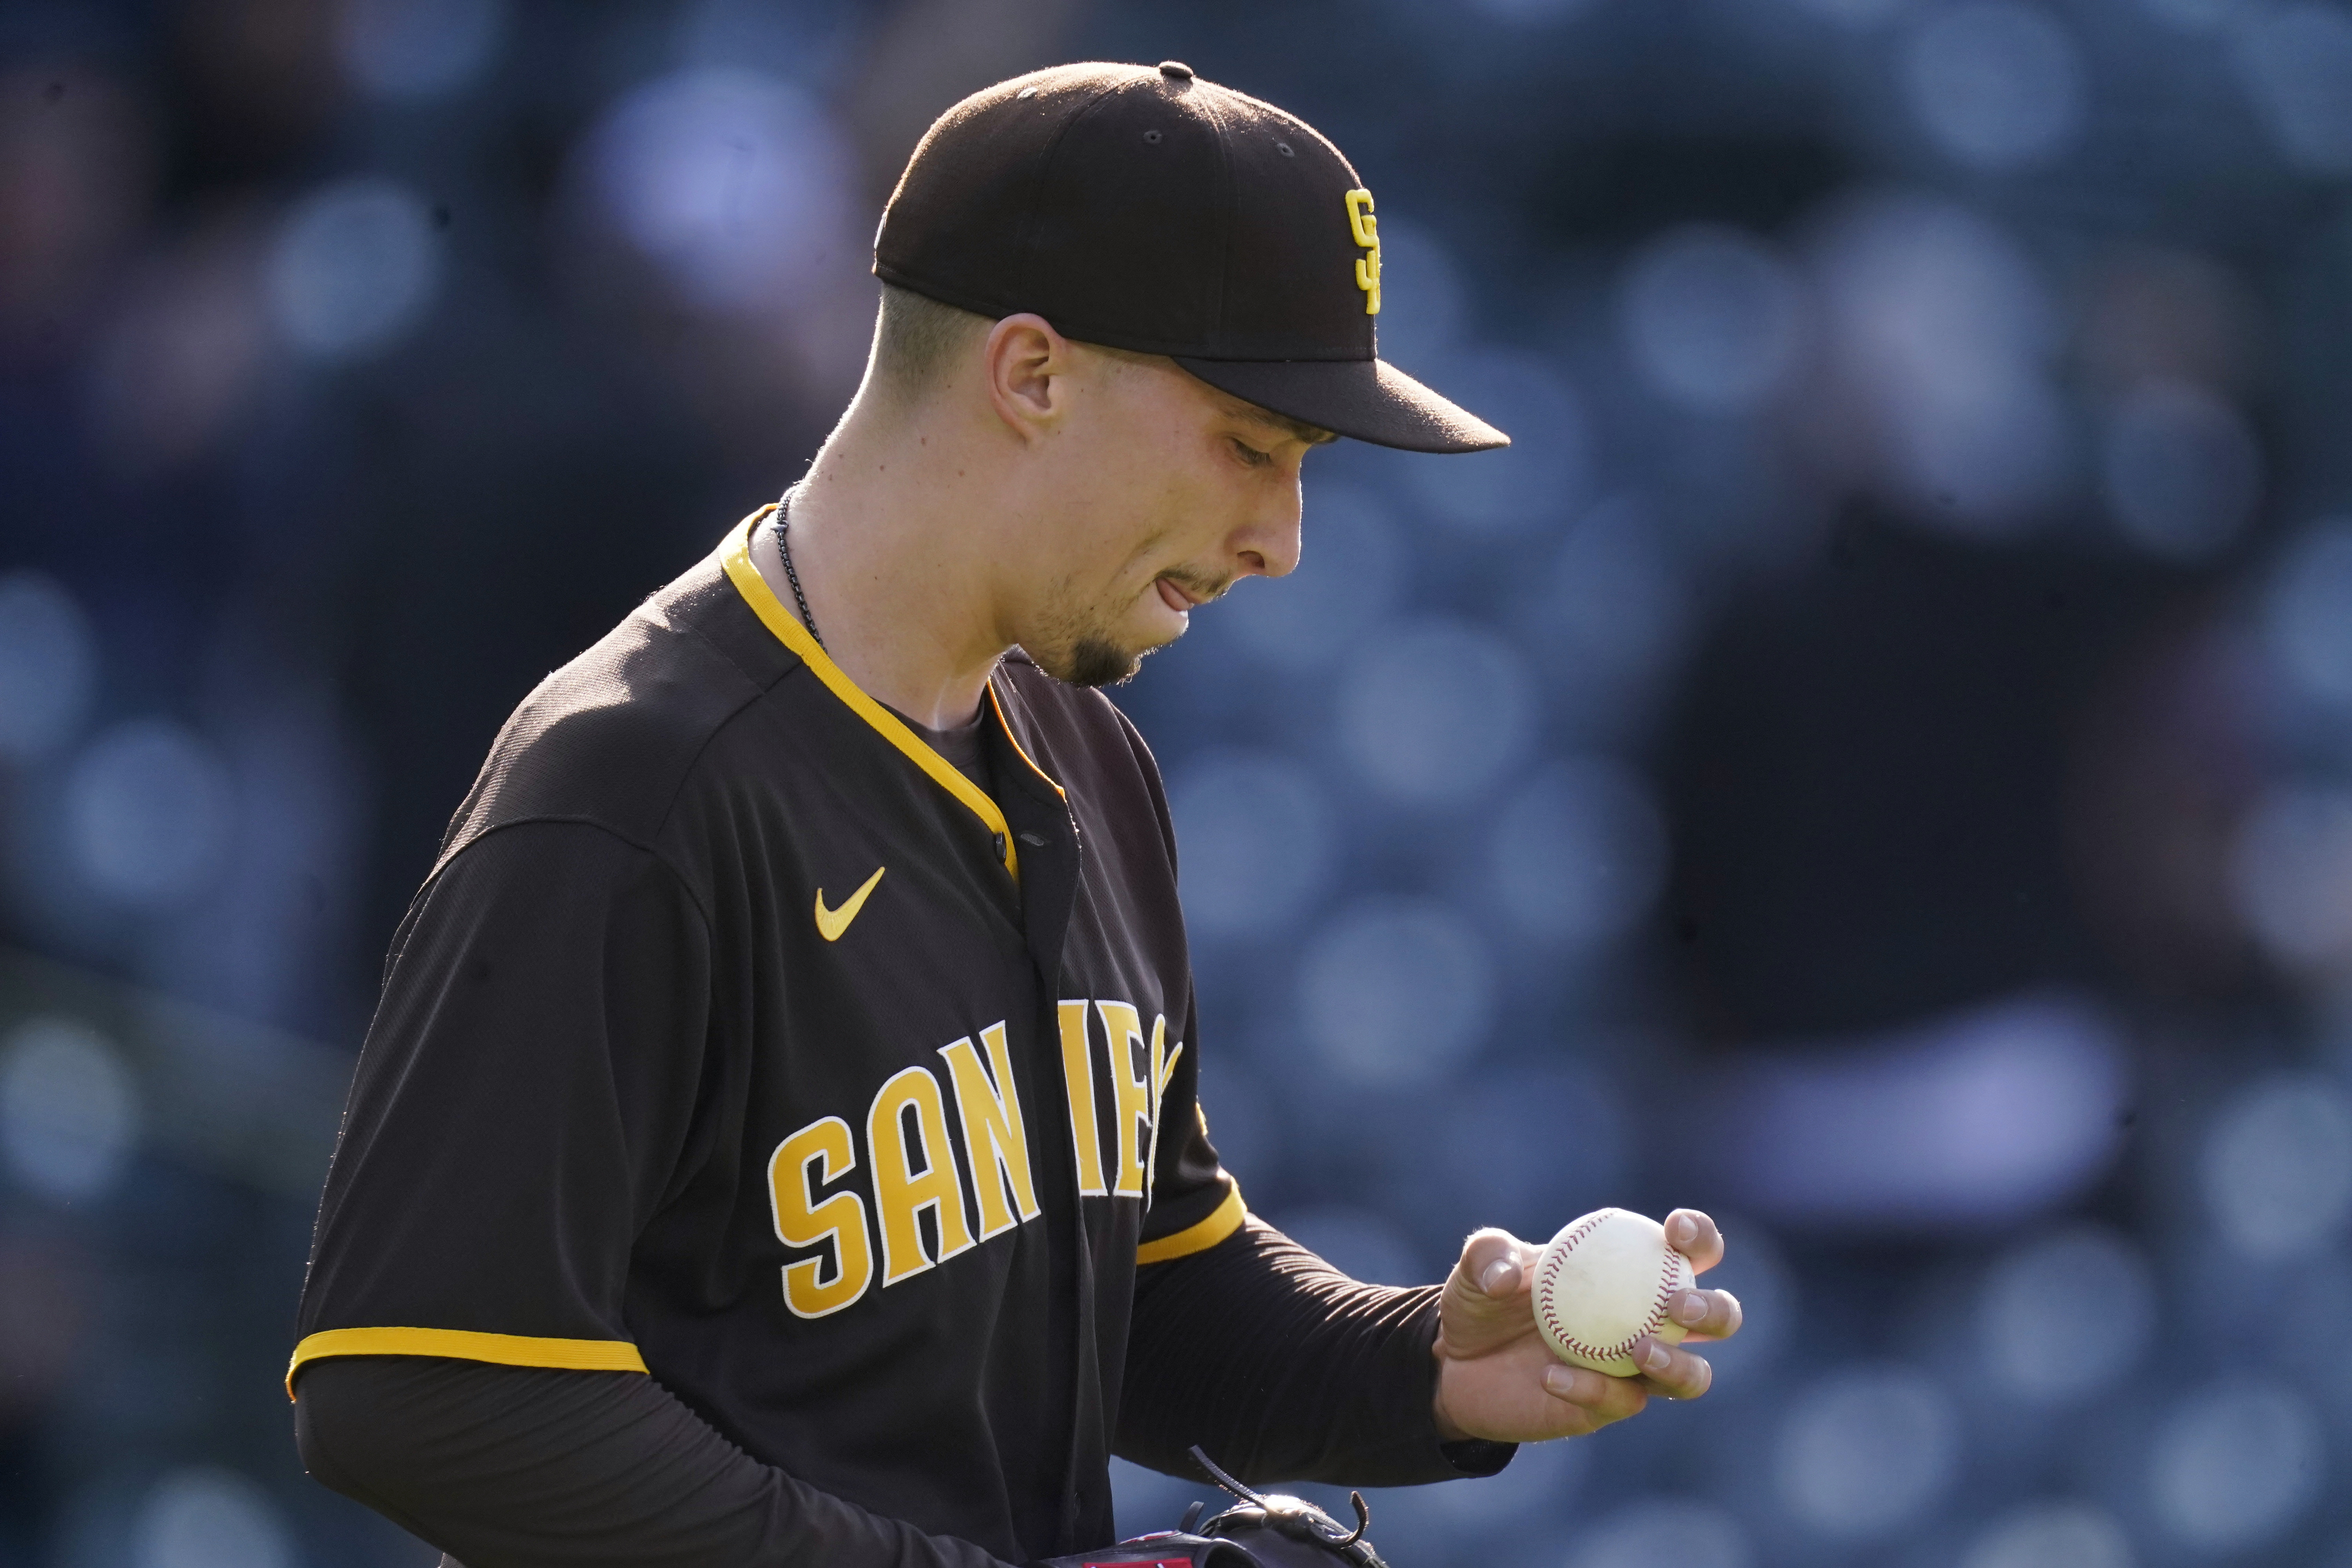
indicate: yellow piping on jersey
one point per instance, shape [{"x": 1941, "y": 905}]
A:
[
  {"x": 1018, "y": 749},
  {"x": 1199, "y": 1237},
  {"x": 463, "y": 1344},
  {"x": 735, "y": 556}
]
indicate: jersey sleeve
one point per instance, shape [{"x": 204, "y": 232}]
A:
[
  {"x": 1195, "y": 1202},
  {"x": 519, "y": 1111}
]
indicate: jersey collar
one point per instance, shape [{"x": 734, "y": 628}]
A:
[{"x": 735, "y": 556}]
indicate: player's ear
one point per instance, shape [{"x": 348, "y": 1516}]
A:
[{"x": 1027, "y": 365}]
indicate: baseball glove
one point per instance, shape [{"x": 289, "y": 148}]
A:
[{"x": 1257, "y": 1531}]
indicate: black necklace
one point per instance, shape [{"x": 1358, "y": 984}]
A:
[{"x": 784, "y": 549}]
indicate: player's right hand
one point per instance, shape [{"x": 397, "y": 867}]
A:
[{"x": 1498, "y": 1380}]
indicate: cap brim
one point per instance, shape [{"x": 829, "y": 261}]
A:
[{"x": 1366, "y": 398}]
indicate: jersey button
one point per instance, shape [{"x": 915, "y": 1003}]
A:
[{"x": 999, "y": 841}]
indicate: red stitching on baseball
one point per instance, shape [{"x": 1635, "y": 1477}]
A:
[{"x": 1548, "y": 1273}]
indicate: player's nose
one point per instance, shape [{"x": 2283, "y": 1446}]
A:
[{"x": 1266, "y": 544}]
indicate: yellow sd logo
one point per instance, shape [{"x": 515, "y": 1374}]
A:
[{"x": 1367, "y": 230}]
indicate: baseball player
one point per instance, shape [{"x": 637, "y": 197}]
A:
[{"x": 777, "y": 1141}]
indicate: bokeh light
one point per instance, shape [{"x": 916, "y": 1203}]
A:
[
  {"x": 1996, "y": 83},
  {"x": 2037, "y": 1297},
  {"x": 2292, "y": 874},
  {"x": 2052, "y": 1535},
  {"x": 1255, "y": 839},
  {"x": 2307, "y": 614},
  {"x": 1530, "y": 1493},
  {"x": 69, "y": 1112},
  {"x": 2179, "y": 470},
  {"x": 1433, "y": 712},
  {"x": 411, "y": 49},
  {"x": 148, "y": 811},
  {"x": 1713, "y": 318},
  {"x": 209, "y": 1517},
  {"x": 1866, "y": 1450},
  {"x": 1942, "y": 329},
  {"x": 1664, "y": 1532},
  {"x": 1538, "y": 1144},
  {"x": 735, "y": 182},
  {"x": 1996, "y": 1113},
  {"x": 1396, "y": 992},
  {"x": 48, "y": 665},
  {"x": 355, "y": 267},
  {"x": 2277, "y": 1169},
  {"x": 1609, "y": 616},
  {"x": 2296, "y": 62},
  {"x": 1527, "y": 13},
  {"x": 1578, "y": 853},
  {"x": 2235, "y": 1465},
  {"x": 182, "y": 367}
]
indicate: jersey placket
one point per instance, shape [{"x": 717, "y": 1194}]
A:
[{"x": 1042, "y": 819}]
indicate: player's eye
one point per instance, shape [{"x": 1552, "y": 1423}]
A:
[{"x": 1249, "y": 454}]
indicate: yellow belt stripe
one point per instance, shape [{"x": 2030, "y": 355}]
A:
[
  {"x": 464, "y": 1344},
  {"x": 1199, "y": 1237}
]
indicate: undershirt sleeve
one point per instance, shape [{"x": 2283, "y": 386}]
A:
[
  {"x": 505, "y": 1467},
  {"x": 1284, "y": 1369}
]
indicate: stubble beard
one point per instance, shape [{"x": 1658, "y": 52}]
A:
[
  {"x": 1082, "y": 649},
  {"x": 1099, "y": 661}
]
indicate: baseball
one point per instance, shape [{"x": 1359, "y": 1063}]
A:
[{"x": 1604, "y": 1282}]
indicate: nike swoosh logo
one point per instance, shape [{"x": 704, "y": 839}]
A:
[{"x": 831, "y": 923}]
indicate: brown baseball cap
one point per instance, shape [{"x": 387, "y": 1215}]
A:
[{"x": 1142, "y": 208}]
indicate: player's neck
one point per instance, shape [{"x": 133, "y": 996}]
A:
[{"x": 893, "y": 559}]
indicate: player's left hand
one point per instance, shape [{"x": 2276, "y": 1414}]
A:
[{"x": 1497, "y": 1379}]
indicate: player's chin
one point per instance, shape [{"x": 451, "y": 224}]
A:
[
  {"x": 1091, "y": 661},
  {"x": 1111, "y": 652}
]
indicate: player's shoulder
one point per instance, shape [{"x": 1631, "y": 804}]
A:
[{"x": 613, "y": 736}]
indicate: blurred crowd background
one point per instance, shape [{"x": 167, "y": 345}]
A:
[{"x": 1873, "y": 760}]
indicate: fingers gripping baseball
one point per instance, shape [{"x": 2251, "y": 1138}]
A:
[
  {"x": 1499, "y": 1379},
  {"x": 1694, "y": 1236},
  {"x": 1707, "y": 1314},
  {"x": 1703, "y": 1314},
  {"x": 1671, "y": 1371},
  {"x": 1486, "y": 1303}
]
